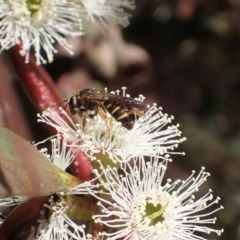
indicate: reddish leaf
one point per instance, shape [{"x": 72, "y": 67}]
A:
[
  {"x": 25, "y": 171},
  {"x": 18, "y": 223}
]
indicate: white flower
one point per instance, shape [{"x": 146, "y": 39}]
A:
[
  {"x": 38, "y": 26},
  {"x": 107, "y": 10},
  {"x": 144, "y": 208},
  {"x": 61, "y": 154},
  {"x": 151, "y": 135},
  {"x": 11, "y": 201},
  {"x": 58, "y": 225}
]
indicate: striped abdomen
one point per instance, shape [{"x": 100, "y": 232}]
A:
[{"x": 121, "y": 114}]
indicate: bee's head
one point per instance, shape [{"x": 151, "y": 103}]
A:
[{"x": 74, "y": 104}]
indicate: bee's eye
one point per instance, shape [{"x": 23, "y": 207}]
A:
[{"x": 74, "y": 104}]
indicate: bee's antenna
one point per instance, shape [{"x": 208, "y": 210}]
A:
[
  {"x": 66, "y": 104},
  {"x": 58, "y": 103}
]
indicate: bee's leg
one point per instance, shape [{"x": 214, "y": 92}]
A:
[
  {"x": 87, "y": 114},
  {"x": 102, "y": 113},
  {"x": 84, "y": 121},
  {"x": 80, "y": 112},
  {"x": 83, "y": 114}
]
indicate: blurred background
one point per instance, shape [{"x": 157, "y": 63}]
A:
[{"x": 183, "y": 55}]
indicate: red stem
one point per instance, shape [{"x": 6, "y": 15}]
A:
[
  {"x": 43, "y": 93},
  {"x": 37, "y": 83}
]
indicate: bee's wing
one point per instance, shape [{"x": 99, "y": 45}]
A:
[
  {"x": 132, "y": 103},
  {"x": 119, "y": 100}
]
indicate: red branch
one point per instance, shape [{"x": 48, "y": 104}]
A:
[{"x": 43, "y": 92}]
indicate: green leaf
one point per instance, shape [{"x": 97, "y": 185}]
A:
[{"x": 25, "y": 171}]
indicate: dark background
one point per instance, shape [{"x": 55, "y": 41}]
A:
[{"x": 195, "y": 75}]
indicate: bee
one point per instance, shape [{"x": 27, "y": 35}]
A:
[{"x": 92, "y": 101}]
